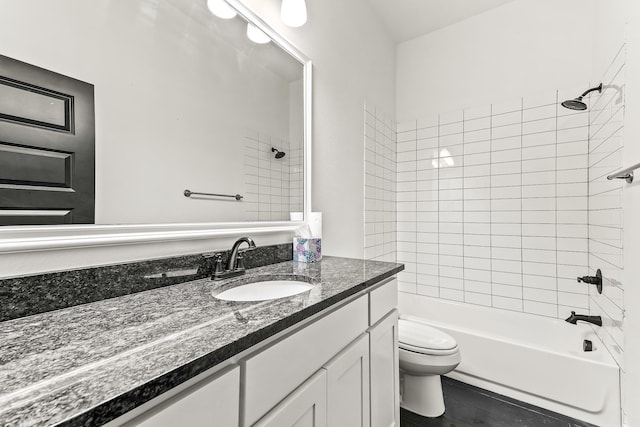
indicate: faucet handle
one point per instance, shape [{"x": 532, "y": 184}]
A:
[
  {"x": 218, "y": 268},
  {"x": 240, "y": 262}
]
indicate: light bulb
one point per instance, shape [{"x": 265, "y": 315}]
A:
[
  {"x": 293, "y": 12},
  {"x": 221, "y": 9},
  {"x": 256, "y": 35}
]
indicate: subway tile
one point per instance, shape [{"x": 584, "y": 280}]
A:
[
  {"x": 506, "y": 156},
  {"x": 546, "y": 243},
  {"x": 477, "y": 274},
  {"x": 477, "y": 264},
  {"x": 478, "y": 239},
  {"x": 539, "y": 255},
  {"x": 539, "y": 139},
  {"x": 539, "y": 112},
  {"x": 538, "y": 152},
  {"x": 572, "y": 148},
  {"x": 509, "y": 118},
  {"x": 506, "y": 266},
  {"x": 505, "y": 303},
  {"x": 539, "y": 230},
  {"x": 451, "y": 294},
  {"x": 574, "y": 134},
  {"x": 513, "y": 279},
  {"x": 514, "y": 242},
  {"x": 574, "y": 300},
  {"x": 539, "y": 268},
  {"x": 540, "y": 308},
  {"x": 506, "y": 168},
  {"x": 506, "y": 204},
  {"x": 539, "y": 126},
  {"x": 512, "y": 254},
  {"x": 451, "y": 273},
  {"x": 477, "y": 147},
  {"x": 476, "y": 123},
  {"x": 477, "y": 228},
  {"x": 509, "y": 217},
  {"x": 539, "y": 165},
  {"x": 477, "y": 159},
  {"x": 539, "y": 281},
  {"x": 449, "y": 249},
  {"x": 477, "y": 298},
  {"x": 505, "y": 131},
  {"x": 477, "y": 135},
  {"x": 539, "y": 217},
  {"x": 506, "y": 291},
  {"x": 511, "y": 192},
  {"x": 477, "y": 170},
  {"x": 426, "y": 290}
]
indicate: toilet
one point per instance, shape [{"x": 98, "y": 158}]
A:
[{"x": 425, "y": 353}]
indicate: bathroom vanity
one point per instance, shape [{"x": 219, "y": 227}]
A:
[{"x": 178, "y": 356}]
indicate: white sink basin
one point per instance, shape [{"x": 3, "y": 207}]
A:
[{"x": 267, "y": 290}]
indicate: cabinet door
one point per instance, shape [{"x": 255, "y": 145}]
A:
[
  {"x": 212, "y": 403},
  {"x": 348, "y": 386},
  {"x": 305, "y": 407},
  {"x": 385, "y": 374}
]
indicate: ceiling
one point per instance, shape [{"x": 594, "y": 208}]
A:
[{"x": 407, "y": 19}]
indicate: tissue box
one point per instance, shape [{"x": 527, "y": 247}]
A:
[{"x": 307, "y": 249}]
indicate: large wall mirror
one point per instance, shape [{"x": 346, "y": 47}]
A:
[{"x": 184, "y": 100}]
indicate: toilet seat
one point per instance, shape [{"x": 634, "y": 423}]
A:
[{"x": 421, "y": 338}]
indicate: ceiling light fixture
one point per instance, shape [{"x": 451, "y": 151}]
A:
[
  {"x": 221, "y": 9},
  {"x": 293, "y": 12},
  {"x": 256, "y": 35}
]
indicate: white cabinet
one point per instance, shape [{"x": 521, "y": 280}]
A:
[
  {"x": 305, "y": 407},
  {"x": 276, "y": 371},
  {"x": 348, "y": 386},
  {"x": 214, "y": 402},
  {"x": 385, "y": 387}
]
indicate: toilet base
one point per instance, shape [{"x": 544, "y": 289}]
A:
[{"x": 422, "y": 395}]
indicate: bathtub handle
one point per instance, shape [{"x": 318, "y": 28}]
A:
[{"x": 593, "y": 280}]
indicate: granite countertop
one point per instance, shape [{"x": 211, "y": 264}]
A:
[{"x": 89, "y": 364}]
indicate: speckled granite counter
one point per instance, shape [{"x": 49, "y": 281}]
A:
[{"x": 88, "y": 364}]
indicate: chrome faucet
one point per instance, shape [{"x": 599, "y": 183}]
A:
[{"x": 235, "y": 261}]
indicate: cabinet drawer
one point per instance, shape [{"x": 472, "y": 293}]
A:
[
  {"x": 276, "y": 371},
  {"x": 214, "y": 402},
  {"x": 382, "y": 300}
]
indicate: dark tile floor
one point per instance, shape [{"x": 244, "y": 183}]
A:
[{"x": 472, "y": 406}]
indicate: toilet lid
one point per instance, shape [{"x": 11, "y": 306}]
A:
[{"x": 423, "y": 338}]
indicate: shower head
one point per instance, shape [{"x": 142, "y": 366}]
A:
[
  {"x": 279, "y": 154},
  {"x": 574, "y": 104},
  {"x": 577, "y": 103}
]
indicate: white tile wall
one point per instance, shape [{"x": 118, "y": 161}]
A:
[
  {"x": 380, "y": 187},
  {"x": 273, "y": 186},
  {"x": 492, "y": 206},
  {"x": 605, "y": 204}
]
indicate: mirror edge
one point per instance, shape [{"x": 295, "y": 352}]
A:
[{"x": 38, "y": 238}]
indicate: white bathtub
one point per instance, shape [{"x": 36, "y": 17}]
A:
[{"x": 534, "y": 359}]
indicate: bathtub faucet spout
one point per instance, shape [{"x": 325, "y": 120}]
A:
[{"x": 596, "y": 320}]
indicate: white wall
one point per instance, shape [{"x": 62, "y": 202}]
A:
[
  {"x": 514, "y": 50},
  {"x": 353, "y": 60},
  {"x": 631, "y": 213}
]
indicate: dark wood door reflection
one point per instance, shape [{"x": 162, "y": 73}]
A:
[{"x": 47, "y": 147}]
